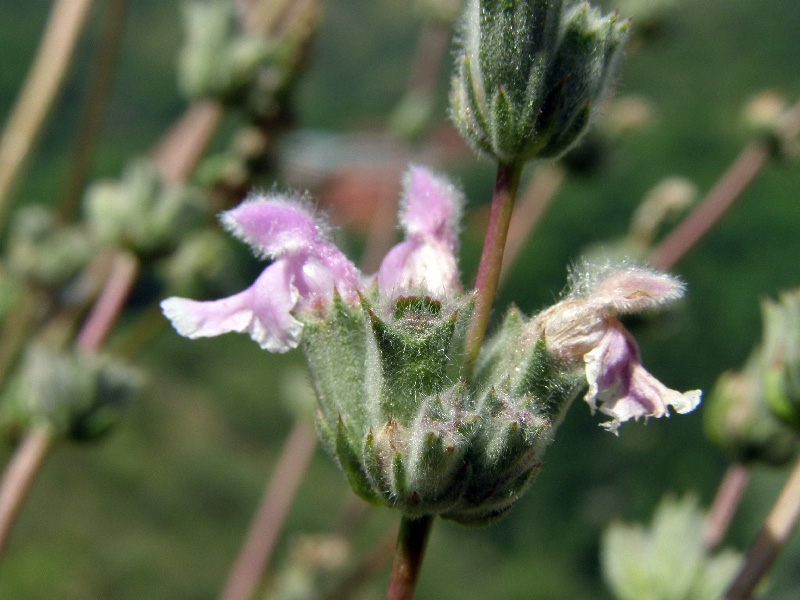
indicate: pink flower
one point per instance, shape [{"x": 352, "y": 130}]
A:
[
  {"x": 425, "y": 261},
  {"x": 307, "y": 267},
  {"x": 583, "y": 329}
]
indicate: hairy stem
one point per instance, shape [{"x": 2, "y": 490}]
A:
[
  {"x": 505, "y": 192},
  {"x": 777, "y": 528},
  {"x": 19, "y": 475},
  {"x": 411, "y": 542},
  {"x": 39, "y": 90}
]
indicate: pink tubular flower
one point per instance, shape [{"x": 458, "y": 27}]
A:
[
  {"x": 429, "y": 214},
  {"x": 583, "y": 328},
  {"x": 306, "y": 267},
  {"x": 305, "y": 270}
]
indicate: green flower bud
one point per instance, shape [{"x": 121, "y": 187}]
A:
[
  {"x": 739, "y": 422},
  {"x": 141, "y": 211},
  {"x": 404, "y": 426},
  {"x": 666, "y": 560},
  {"x": 215, "y": 61},
  {"x": 78, "y": 396},
  {"x": 780, "y": 356},
  {"x": 43, "y": 252},
  {"x": 530, "y": 73}
]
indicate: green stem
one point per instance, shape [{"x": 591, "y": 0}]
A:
[
  {"x": 411, "y": 542},
  {"x": 505, "y": 192}
]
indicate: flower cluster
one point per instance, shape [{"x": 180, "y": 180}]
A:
[{"x": 386, "y": 353}]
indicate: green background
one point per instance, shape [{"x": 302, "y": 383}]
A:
[{"x": 158, "y": 509}]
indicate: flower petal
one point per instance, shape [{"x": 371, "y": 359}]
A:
[
  {"x": 262, "y": 310},
  {"x": 635, "y": 290},
  {"x": 618, "y": 380},
  {"x": 427, "y": 267},
  {"x": 425, "y": 262},
  {"x": 274, "y": 225},
  {"x": 431, "y": 209}
]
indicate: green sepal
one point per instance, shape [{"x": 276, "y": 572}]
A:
[{"x": 351, "y": 465}]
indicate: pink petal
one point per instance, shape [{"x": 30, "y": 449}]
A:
[
  {"x": 635, "y": 290},
  {"x": 273, "y": 225},
  {"x": 262, "y": 310},
  {"x": 428, "y": 267},
  {"x": 617, "y": 379},
  {"x": 431, "y": 209}
]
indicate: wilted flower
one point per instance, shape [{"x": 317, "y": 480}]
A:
[{"x": 583, "y": 328}]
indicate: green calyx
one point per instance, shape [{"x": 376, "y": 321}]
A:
[
  {"x": 77, "y": 396},
  {"x": 529, "y": 73},
  {"x": 408, "y": 431}
]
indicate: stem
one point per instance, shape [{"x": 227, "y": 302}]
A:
[
  {"x": 411, "y": 542},
  {"x": 94, "y": 107},
  {"x": 110, "y": 303},
  {"x": 505, "y": 191},
  {"x": 266, "y": 525},
  {"x": 182, "y": 147},
  {"x": 534, "y": 201},
  {"x": 773, "y": 535},
  {"x": 19, "y": 475},
  {"x": 681, "y": 239},
  {"x": 40, "y": 89},
  {"x": 719, "y": 199},
  {"x": 729, "y": 494}
]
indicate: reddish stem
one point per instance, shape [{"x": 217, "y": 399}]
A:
[
  {"x": 743, "y": 170},
  {"x": 110, "y": 303},
  {"x": 275, "y": 503},
  {"x": 411, "y": 542},
  {"x": 19, "y": 475},
  {"x": 729, "y": 494},
  {"x": 505, "y": 191}
]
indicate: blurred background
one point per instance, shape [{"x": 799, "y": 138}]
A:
[{"x": 159, "y": 507}]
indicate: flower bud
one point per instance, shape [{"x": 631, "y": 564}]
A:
[
  {"x": 755, "y": 413},
  {"x": 78, "y": 396},
  {"x": 141, "y": 211},
  {"x": 214, "y": 60},
  {"x": 739, "y": 422},
  {"x": 529, "y": 75},
  {"x": 44, "y": 253}
]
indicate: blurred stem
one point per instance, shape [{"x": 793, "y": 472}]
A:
[
  {"x": 182, "y": 147},
  {"x": 94, "y": 107},
  {"x": 720, "y": 198},
  {"x": 39, "y": 90},
  {"x": 19, "y": 474},
  {"x": 275, "y": 503},
  {"x": 729, "y": 494},
  {"x": 371, "y": 563},
  {"x": 776, "y": 530},
  {"x": 411, "y": 542},
  {"x": 505, "y": 192},
  {"x": 534, "y": 200},
  {"x": 109, "y": 305}
]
